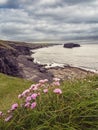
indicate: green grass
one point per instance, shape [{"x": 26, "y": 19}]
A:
[
  {"x": 4, "y": 44},
  {"x": 75, "y": 109},
  {"x": 10, "y": 87}
]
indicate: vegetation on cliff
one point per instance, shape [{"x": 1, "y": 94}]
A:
[{"x": 71, "y": 105}]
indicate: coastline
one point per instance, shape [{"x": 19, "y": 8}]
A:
[{"x": 16, "y": 60}]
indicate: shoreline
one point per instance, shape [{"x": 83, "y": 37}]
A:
[
  {"x": 16, "y": 60},
  {"x": 53, "y": 65}
]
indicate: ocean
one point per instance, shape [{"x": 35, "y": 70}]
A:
[{"x": 85, "y": 57}]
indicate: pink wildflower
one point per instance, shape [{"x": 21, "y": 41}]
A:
[
  {"x": 34, "y": 87},
  {"x": 34, "y": 96},
  {"x": 38, "y": 94},
  {"x": 25, "y": 92},
  {"x": 8, "y": 118},
  {"x": 28, "y": 99},
  {"x": 9, "y": 111},
  {"x": 33, "y": 105},
  {"x": 56, "y": 83},
  {"x": 56, "y": 79},
  {"x": 45, "y": 80},
  {"x": 14, "y": 106},
  {"x": 27, "y": 104},
  {"x": 45, "y": 90},
  {"x": 1, "y": 113},
  {"x": 42, "y": 81},
  {"x": 20, "y": 96},
  {"x": 57, "y": 91}
]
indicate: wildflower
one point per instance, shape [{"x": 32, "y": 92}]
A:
[
  {"x": 56, "y": 83},
  {"x": 34, "y": 96},
  {"x": 45, "y": 90},
  {"x": 28, "y": 98},
  {"x": 25, "y": 92},
  {"x": 57, "y": 91},
  {"x": 20, "y": 96},
  {"x": 45, "y": 80},
  {"x": 1, "y": 113},
  {"x": 56, "y": 79},
  {"x": 96, "y": 88},
  {"x": 32, "y": 87},
  {"x": 42, "y": 81},
  {"x": 14, "y": 106},
  {"x": 35, "y": 88},
  {"x": 38, "y": 94},
  {"x": 27, "y": 104},
  {"x": 33, "y": 105},
  {"x": 8, "y": 118},
  {"x": 9, "y": 111}
]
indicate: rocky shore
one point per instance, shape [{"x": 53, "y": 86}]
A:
[{"x": 15, "y": 60}]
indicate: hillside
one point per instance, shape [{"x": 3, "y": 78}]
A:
[{"x": 73, "y": 105}]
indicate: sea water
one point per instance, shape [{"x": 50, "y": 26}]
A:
[{"x": 85, "y": 56}]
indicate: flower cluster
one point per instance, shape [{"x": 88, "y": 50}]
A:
[{"x": 29, "y": 96}]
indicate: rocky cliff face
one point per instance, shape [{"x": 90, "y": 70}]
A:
[
  {"x": 8, "y": 59},
  {"x": 15, "y": 60}
]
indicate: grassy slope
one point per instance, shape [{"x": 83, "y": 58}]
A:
[
  {"x": 75, "y": 109},
  {"x": 10, "y": 87}
]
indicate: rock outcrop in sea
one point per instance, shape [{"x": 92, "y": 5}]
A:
[{"x": 71, "y": 45}]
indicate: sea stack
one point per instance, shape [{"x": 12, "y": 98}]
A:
[{"x": 70, "y": 45}]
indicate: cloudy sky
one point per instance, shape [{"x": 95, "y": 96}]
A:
[{"x": 48, "y": 20}]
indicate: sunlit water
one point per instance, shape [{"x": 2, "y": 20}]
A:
[{"x": 85, "y": 56}]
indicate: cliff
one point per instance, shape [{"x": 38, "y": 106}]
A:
[{"x": 15, "y": 60}]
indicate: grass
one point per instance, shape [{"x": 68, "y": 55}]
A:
[
  {"x": 75, "y": 109},
  {"x": 4, "y": 44},
  {"x": 10, "y": 87}
]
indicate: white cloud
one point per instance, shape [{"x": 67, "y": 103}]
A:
[
  {"x": 3, "y": 1},
  {"x": 46, "y": 19}
]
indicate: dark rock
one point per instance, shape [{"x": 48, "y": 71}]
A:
[
  {"x": 30, "y": 58},
  {"x": 42, "y": 70},
  {"x": 70, "y": 45},
  {"x": 9, "y": 65}
]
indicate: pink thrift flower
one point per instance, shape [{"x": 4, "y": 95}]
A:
[
  {"x": 56, "y": 83},
  {"x": 57, "y": 91},
  {"x": 1, "y": 113},
  {"x": 14, "y": 106},
  {"x": 27, "y": 104},
  {"x": 28, "y": 99},
  {"x": 34, "y": 96},
  {"x": 27, "y": 91},
  {"x": 38, "y": 94},
  {"x": 56, "y": 79},
  {"x": 20, "y": 96},
  {"x": 33, "y": 105},
  {"x": 9, "y": 111},
  {"x": 45, "y": 80},
  {"x": 45, "y": 90},
  {"x": 34, "y": 87},
  {"x": 42, "y": 81},
  {"x": 8, "y": 118}
]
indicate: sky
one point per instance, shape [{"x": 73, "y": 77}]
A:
[{"x": 48, "y": 20}]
